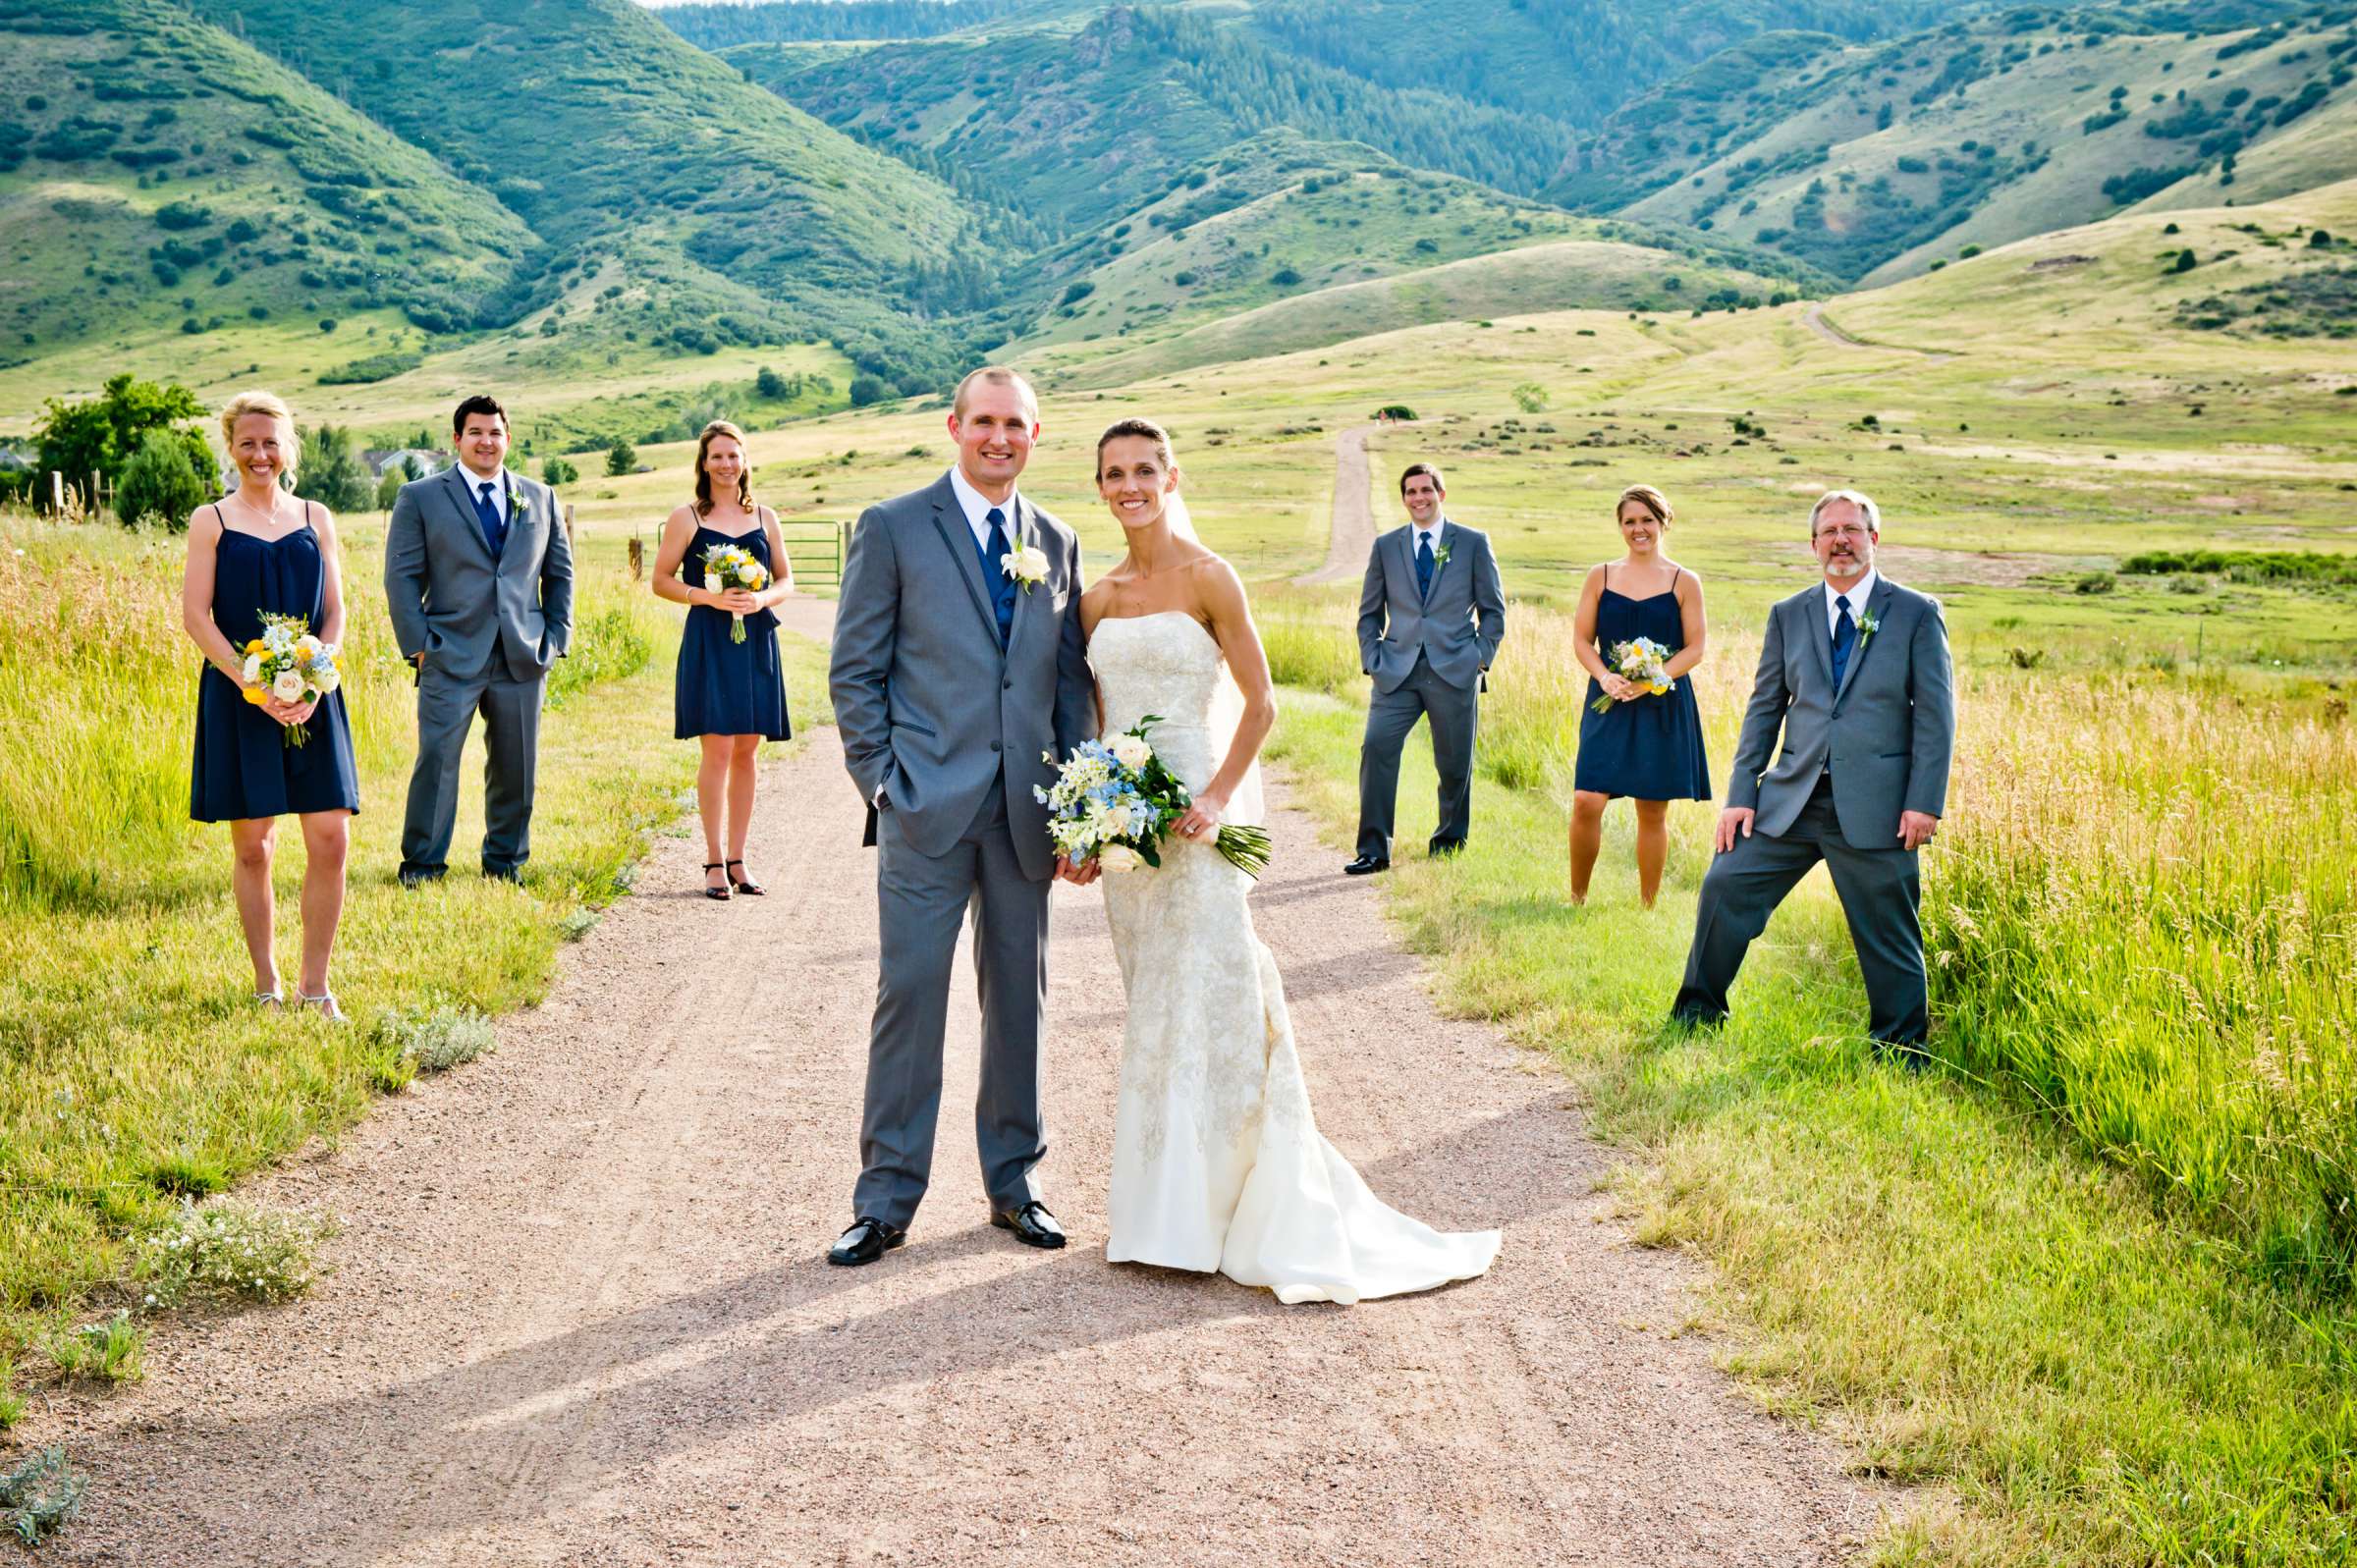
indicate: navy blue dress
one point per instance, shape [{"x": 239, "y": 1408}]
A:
[
  {"x": 1651, "y": 748},
  {"x": 724, "y": 687},
  {"x": 244, "y": 766}
]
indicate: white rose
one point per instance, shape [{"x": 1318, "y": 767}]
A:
[
  {"x": 327, "y": 679},
  {"x": 1031, "y": 561},
  {"x": 1131, "y": 751},
  {"x": 306, "y": 647},
  {"x": 712, "y": 582},
  {"x": 287, "y": 688},
  {"x": 254, "y": 668},
  {"x": 1119, "y": 857}
]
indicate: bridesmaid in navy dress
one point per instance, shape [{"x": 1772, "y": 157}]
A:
[
  {"x": 1644, "y": 746},
  {"x": 260, "y": 550},
  {"x": 730, "y": 694}
]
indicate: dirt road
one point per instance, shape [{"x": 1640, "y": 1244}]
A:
[
  {"x": 580, "y": 1314},
  {"x": 1353, "y": 533}
]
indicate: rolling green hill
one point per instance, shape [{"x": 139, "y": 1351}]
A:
[
  {"x": 731, "y": 216},
  {"x": 1075, "y": 121},
  {"x": 156, "y": 173},
  {"x": 1280, "y": 216},
  {"x": 1875, "y": 162}
]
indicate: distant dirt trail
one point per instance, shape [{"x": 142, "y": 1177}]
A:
[
  {"x": 580, "y": 1316},
  {"x": 1816, "y": 323},
  {"x": 1353, "y": 533}
]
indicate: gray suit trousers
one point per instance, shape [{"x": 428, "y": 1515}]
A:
[
  {"x": 1455, "y": 712},
  {"x": 922, "y": 902},
  {"x": 446, "y": 708},
  {"x": 1880, "y": 891}
]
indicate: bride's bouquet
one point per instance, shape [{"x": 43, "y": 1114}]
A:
[
  {"x": 288, "y": 663},
  {"x": 728, "y": 567},
  {"x": 1643, "y": 661},
  {"x": 1115, "y": 803}
]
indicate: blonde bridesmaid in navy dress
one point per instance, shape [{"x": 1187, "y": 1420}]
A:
[
  {"x": 729, "y": 695},
  {"x": 1645, "y": 747},
  {"x": 261, "y": 551}
]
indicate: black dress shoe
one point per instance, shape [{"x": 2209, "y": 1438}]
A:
[
  {"x": 1032, "y": 1225},
  {"x": 1365, "y": 865},
  {"x": 513, "y": 874},
  {"x": 866, "y": 1242},
  {"x": 419, "y": 878},
  {"x": 1440, "y": 847}
]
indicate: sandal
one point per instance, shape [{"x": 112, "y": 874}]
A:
[
  {"x": 744, "y": 884},
  {"x": 270, "y": 998},
  {"x": 324, "y": 1003},
  {"x": 710, "y": 892}
]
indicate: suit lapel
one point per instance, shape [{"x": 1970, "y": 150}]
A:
[
  {"x": 1402, "y": 543},
  {"x": 949, "y": 520},
  {"x": 1818, "y": 630},
  {"x": 1444, "y": 550},
  {"x": 1876, "y": 603},
  {"x": 463, "y": 499},
  {"x": 1026, "y": 535}
]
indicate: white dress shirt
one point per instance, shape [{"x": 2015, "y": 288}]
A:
[
  {"x": 1420, "y": 537},
  {"x": 977, "y": 506},
  {"x": 499, "y": 488},
  {"x": 1857, "y": 597}
]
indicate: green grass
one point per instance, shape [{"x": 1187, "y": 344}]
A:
[
  {"x": 2009, "y": 1307},
  {"x": 139, "y": 1073}
]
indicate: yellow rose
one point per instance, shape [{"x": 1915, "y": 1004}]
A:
[
  {"x": 258, "y": 645},
  {"x": 257, "y": 695}
]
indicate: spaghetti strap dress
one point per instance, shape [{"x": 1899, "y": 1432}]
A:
[
  {"x": 724, "y": 687},
  {"x": 1651, "y": 748},
  {"x": 243, "y": 767}
]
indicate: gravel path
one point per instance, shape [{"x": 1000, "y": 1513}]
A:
[
  {"x": 580, "y": 1316},
  {"x": 1353, "y": 535}
]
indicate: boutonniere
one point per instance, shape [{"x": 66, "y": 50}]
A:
[
  {"x": 1440, "y": 557},
  {"x": 1027, "y": 565},
  {"x": 1868, "y": 625}
]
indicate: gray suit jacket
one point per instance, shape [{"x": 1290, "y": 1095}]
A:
[
  {"x": 461, "y": 609},
  {"x": 931, "y": 710},
  {"x": 1888, "y": 732},
  {"x": 1457, "y": 626}
]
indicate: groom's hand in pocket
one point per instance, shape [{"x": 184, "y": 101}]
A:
[
  {"x": 1916, "y": 828},
  {"x": 1732, "y": 821}
]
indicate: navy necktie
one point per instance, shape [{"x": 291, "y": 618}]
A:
[
  {"x": 1846, "y": 639},
  {"x": 486, "y": 514},
  {"x": 1423, "y": 564},
  {"x": 1002, "y": 586}
]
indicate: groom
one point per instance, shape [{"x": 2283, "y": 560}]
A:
[
  {"x": 1855, "y": 674},
  {"x": 479, "y": 577},
  {"x": 954, "y": 669},
  {"x": 1430, "y": 617}
]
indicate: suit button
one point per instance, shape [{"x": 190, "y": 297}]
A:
[
  {"x": 1006, "y": 685},
  {"x": 994, "y": 746}
]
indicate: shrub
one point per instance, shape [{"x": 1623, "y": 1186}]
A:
[
  {"x": 621, "y": 458},
  {"x": 436, "y": 1041},
  {"x": 161, "y": 483},
  {"x": 867, "y": 389},
  {"x": 555, "y": 471},
  {"x": 182, "y": 215},
  {"x": 2185, "y": 261},
  {"x": 40, "y": 1495},
  {"x": 231, "y": 1249},
  {"x": 1530, "y": 397},
  {"x": 1285, "y": 277}
]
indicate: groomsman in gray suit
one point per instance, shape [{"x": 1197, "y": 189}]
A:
[
  {"x": 478, "y": 576},
  {"x": 1429, "y": 618},
  {"x": 1855, "y": 676},
  {"x": 953, "y": 673}
]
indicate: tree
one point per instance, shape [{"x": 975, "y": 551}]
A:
[
  {"x": 868, "y": 388},
  {"x": 2185, "y": 262},
  {"x": 162, "y": 483},
  {"x": 1530, "y": 397},
  {"x": 98, "y": 437},
  {"x": 330, "y": 473},
  {"x": 388, "y": 488},
  {"x": 555, "y": 471},
  {"x": 621, "y": 458},
  {"x": 770, "y": 385}
]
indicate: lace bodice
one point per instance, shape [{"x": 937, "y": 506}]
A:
[{"x": 1165, "y": 664}]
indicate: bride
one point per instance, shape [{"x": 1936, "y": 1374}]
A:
[{"x": 1217, "y": 1162}]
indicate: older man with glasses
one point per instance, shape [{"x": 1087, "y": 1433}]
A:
[{"x": 1854, "y": 676}]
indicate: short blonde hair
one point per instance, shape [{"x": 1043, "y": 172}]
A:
[
  {"x": 1872, "y": 514},
  {"x": 997, "y": 375},
  {"x": 262, "y": 402}
]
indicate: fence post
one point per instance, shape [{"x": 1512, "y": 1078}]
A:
[
  {"x": 569, "y": 522},
  {"x": 638, "y": 557},
  {"x": 56, "y": 492}
]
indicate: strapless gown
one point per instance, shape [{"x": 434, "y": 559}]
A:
[{"x": 1218, "y": 1163}]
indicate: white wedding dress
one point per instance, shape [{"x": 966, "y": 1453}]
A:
[{"x": 1217, "y": 1162}]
